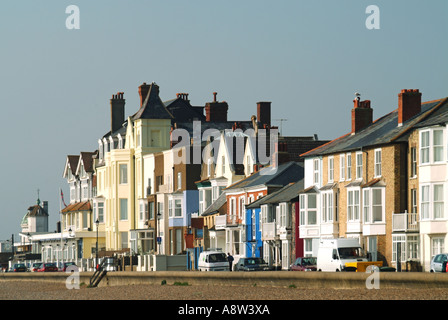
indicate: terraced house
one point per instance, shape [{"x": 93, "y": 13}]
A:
[{"x": 365, "y": 184}]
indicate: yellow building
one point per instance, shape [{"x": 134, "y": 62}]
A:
[{"x": 120, "y": 166}]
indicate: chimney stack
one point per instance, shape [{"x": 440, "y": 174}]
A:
[
  {"x": 362, "y": 115},
  {"x": 143, "y": 92},
  {"x": 216, "y": 111},
  {"x": 409, "y": 104},
  {"x": 183, "y": 96},
  {"x": 116, "y": 111},
  {"x": 264, "y": 113}
]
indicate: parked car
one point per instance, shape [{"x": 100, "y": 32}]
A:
[
  {"x": 19, "y": 267},
  {"x": 251, "y": 264},
  {"x": 213, "y": 261},
  {"x": 65, "y": 265},
  {"x": 48, "y": 267},
  {"x": 35, "y": 266},
  {"x": 438, "y": 263},
  {"x": 304, "y": 264}
]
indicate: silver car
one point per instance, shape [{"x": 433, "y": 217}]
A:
[{"x": 438, "y": 263}]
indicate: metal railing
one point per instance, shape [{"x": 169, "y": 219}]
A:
[{"x": 406, "y": 221}]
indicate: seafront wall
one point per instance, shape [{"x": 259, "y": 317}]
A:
[{"x": 335, "y": 280}]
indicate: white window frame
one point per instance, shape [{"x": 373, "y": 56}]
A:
[
  {"x": 353, "y": 206},
  {"x": 425, "y": 146},
  {"x": 413, "y": 162},
  {"x": 331, "y": 169},
  {"x": 349, "y": 166},
  {"x": 327, "y": 208},
  {"x": 241, "y": 209},
  {"x": 438, "y": 146},
  {"x": 359, "y": 159},
  {"x": 123, "y": 173},
  {"x": 378, "y": 160},
  {"x": 342, "y": 167},
  {"x": 429, "y": 203},
  {"x": 316, "y": 171},
  {"x": 306, "y": 211},
  {"x": 369, "y": 205}
]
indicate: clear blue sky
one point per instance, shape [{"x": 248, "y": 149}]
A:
[{"x": 307, "y": 57}]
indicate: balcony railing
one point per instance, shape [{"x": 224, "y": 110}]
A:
[
  {"x": 269, "y": 231},
  {"x": 220, "y": 222},
  {"x": 406, "y": 221}
]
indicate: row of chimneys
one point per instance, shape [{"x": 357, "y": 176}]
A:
[
  {"x": 214, "y": 111},
  {"x": 409, "y": 105}
]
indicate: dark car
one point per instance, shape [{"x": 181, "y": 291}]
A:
[
  {"x": 304, "y": 264},
  {"x": 65, "y": 265},
  {"x": 251, "y": 264},
  {"x": 19, "y": 267},
  {"x": 48, "y": 267}
]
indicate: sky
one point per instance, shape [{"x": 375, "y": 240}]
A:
[{"x": 307, "y": 57}]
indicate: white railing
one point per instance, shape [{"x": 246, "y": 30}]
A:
[
  {"x": 269, "y": 231},
  {"x": 220, "y": 221},
  {"x": 406, "y": 221}
]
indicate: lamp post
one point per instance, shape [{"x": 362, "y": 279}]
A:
[{"x": 97, "y": 222}]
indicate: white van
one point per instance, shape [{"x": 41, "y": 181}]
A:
[
  {"x": 333, "y": 254},
  {"x": 213, "y": 261}
]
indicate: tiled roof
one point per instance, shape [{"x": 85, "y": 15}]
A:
[
  {"x": 285, "y": 194},
  {"x": 286, "y": 173},
  {"x": 78, "y": 206},
  {"x": 73, "y": 162},
  {"x": 216, "y": 205},
  {"x": 382, "y": 131},
  {"x": 153, "y": 107}
]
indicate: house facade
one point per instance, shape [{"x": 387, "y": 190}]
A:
[{"x": 364, "y": 185}]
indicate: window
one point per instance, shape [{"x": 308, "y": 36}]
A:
[
  {"x": 124, "y": 240},
  {"x": 366, "y": 205},
  {"x": 398, "y": 248},
  {"x": 178, "y": 208},
  {"x": 232, "y": 209},
  {"x": 353, "y": 205},
  {"x": 242, "y": 208},
  {"x": 424, "y": 203},
  {"x": 316, "y": 171},
  {"x": 413, "y": 162},
  {"x": 438, "y": 201},
  {"x": 378, "y": 163},
  {"x": 312, "y": 209},
  {"x": 308, "y": 209},
  {"x": 123, "y": 173},
  {"x": 209, "y": 167},
  {"x": 358, "y": 165},
  {"x": 123, "y": 209},
  {"x": 414, "y": 200},
  {"x": 330, "y": 169},
  {"x": 342, "y": 167},
  {"x": 179, "y": 180},
  {"x": 100, "y": 214},
  {"x": 438, "y": 145},
  {"x": 85, "y": 220},
  {"x": 377, "y": 205},
  {"x": 349, "y": 166},
  {"x": 284, "y": 221},
  {"x": 424, "y": 147},
  {"x": 437, "y": 245},
  {"x": 327, "y": 206},
  {"x": 223, "y": 165}
]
